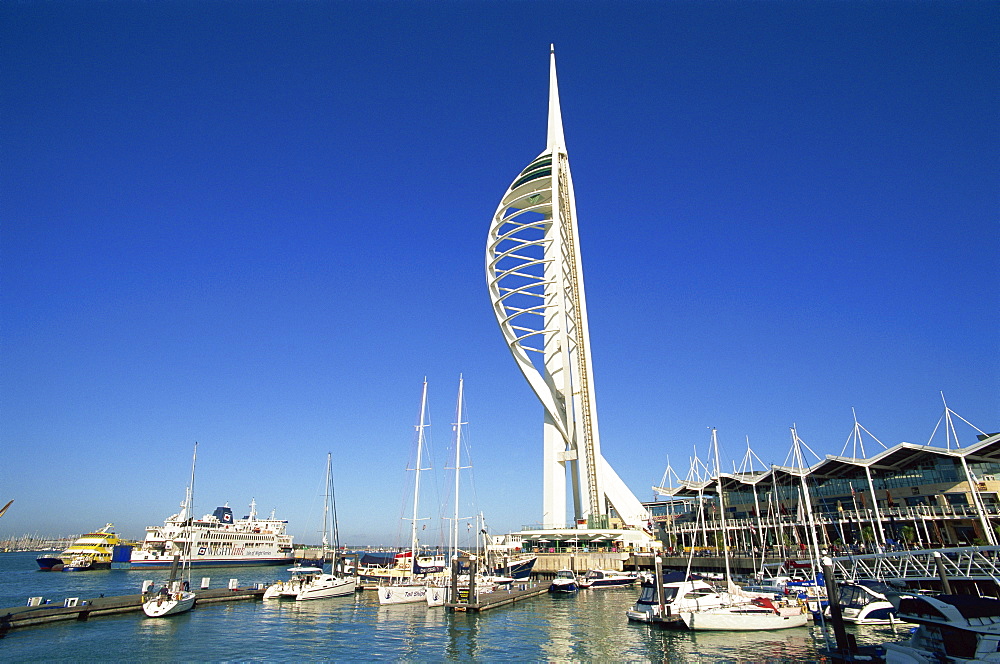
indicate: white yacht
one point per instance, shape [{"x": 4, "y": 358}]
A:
[
  {"x": 311, "y": 583},
  {"x": 958, "y": 629},
  {"x": 679, "y": 595},
  {"x": 867, "y": 603}
]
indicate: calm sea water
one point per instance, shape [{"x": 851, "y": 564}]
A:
[{"x": 586, "y": 627}]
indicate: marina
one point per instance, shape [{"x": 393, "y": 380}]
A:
[
  {"x": 240, "y": 325},
  {"x": 587, "y": 625}
]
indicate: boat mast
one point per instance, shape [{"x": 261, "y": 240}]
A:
[
  {"x": 453, "y": 543},
  {"x": 188, "y": 518},
  {"x": 722, "y": 506},
  {"x": 336, "y": 525},
  {"x": 416, "y": 481},
  {"x": 326, "y": 508}
]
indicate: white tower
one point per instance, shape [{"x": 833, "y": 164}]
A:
[{"x": 535, "y": 277}]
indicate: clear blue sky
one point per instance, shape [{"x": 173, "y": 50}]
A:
[{"x": 260, "y": 225}]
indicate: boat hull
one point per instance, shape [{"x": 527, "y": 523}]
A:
[
  {"x": 338, "y": 588},
  {"x": 877, "y": 613},
  {"x": 436, "y": 596},
  {"x": 164, "y": 563},
  {"x": 558, "y": 587},
  {"x": 49, "y": 563},
  {"x": 86, "y": 567},
  {"x": 323, "y": 587},
  {"x": 610, "y": 583},
  {"x": 401, "y": 594},
  {"x": 168, "y": 605},
  {"x": 519, "y": 570},
  {"x": 742, "y": 620}
]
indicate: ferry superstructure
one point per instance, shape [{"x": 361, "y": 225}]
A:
[{"x": 217, "y": 540}]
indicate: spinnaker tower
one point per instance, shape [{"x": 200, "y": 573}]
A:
[{"x": 535, "y": 276}]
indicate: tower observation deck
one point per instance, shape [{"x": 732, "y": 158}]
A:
[{"x": 535, "y": 276}]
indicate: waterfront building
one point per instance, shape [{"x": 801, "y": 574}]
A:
[{"x": 906, "y": 496}]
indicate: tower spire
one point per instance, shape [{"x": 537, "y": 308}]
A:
[
  {"x": 555, "y": 138},
  {"x": 535, "y": 277}
]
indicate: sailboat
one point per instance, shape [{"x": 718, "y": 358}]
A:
[
  {"x": 176, "y": 596},
  {"x": 437, "y": 595},
  {"x": 741, "y": 610},
  {"x": 411, "y": 589},
  {"x": 312, "y": 582}
]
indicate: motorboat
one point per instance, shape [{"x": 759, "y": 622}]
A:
[
  {"x": 602, "y": 578},
  {"x": 564, "y": 582},
  {"x": 957, "y": 629},
  {"x": 867, "y": 603},
  {"x": 311, "y": 583}
]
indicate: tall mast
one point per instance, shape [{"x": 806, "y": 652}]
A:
[
  {"x": 333, "y": 508},
  {"x": 722, "y": 506},
  {"x": 416, "y": 480},
  {"x": 190, "y": 496},
  {"x": 453, "y": 543},
  {"x": 326, "y": 505}
]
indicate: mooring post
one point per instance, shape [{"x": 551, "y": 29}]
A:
[
  {"x": 942, "y": 574},
  {"x": 658, "y": 580},
  {"x": 473, "y": 565},
  {"x": 455, "y": 566},
  {"x": 844, "y": 644}
]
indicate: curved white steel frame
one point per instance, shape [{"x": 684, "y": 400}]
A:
[{"x": 535, "y": 278}]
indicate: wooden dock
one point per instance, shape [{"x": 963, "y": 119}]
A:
[
  {"x": 82, "y": 610},
  {"x": 497, "y": 598}
]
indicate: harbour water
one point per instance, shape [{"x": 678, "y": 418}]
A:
[{"x": 589, "y": 626}]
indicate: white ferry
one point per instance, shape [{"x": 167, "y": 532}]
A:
[{"x": 216, "y": 540}]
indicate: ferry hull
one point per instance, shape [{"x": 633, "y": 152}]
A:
[
  {"x": 49, "y": 563},
  {"x": 215, "y": 562},
  {"x": 608, "y": 583}
]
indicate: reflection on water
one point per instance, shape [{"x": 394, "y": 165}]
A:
[
  {"x": 588, "y": 626},
  {"x": 559, "y": 645}
]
